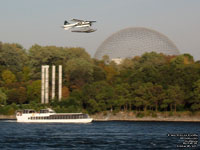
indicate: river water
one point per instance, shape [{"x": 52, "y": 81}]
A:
[{"x": 99, "y": 135}]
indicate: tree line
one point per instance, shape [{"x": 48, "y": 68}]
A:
[{"x": 153, "y": 81}]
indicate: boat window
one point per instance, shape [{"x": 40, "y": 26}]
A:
[
  {"x": 85, "y": 116},
  {"x": 44, "y": 111},
  {"x": 31, "y": 111},
  {"x": 27, "y": 111}
]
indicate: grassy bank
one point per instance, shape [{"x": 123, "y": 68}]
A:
[
  {"x": 8, "y": 112},
  {"x": 185, "y": 116}
]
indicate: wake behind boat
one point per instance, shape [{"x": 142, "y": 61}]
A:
[{"x": 50, "y": 116}]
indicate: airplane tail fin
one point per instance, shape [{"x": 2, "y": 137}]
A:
[{"x": 66, "y": 22}]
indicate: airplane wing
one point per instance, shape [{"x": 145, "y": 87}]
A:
[
  {"x": 77, "y": 20},
  {"x": 91, "y": 21}
]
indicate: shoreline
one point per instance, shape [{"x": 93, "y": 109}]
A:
[
  {"x": 131, "y": 116},
  {"x": 160, "y": 117},
  {"x": 7, "y": 117},
  {"x": 147, "y": 120}
]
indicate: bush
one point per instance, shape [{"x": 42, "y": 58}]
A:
[
  {"x": 116, "y": 110},
  {"x": 171, "y": 114},
  {"x": 140, "y": 115},
  {"x": 154, "y": 115},
  {"x": 7, "y": 110}
]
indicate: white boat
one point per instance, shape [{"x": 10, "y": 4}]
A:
[{"x": 50, "y": 116}]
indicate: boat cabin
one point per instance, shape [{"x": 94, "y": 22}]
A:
[
  {"x": 47, "y": 111},
  {"x": 28, "y": 111}
]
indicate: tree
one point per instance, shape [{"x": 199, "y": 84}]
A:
[
  {"x": 99, "y": 91},
  {"x": 111, "y": 72},
  {"x": 139, "y": 103},
  {"x": 34, "y": 91},
  {"x": 73, "y": 53},
  {"x": 126, "y": 64},
  {"x": 92, "y": 106},
  {"x": 98, "y": 73},
  {"x": 149, "y": 96},
  {"x": 151, "y": 59},
  {"x": 8, "y": 77},
  {"x": 142, "y": 96},
  {"x": 147, "y": 68},
  {"x": 182, "y": 59},
  {"x": 78, "y": 72},
  {"x": 48, "y": 55},
  {"x": 165, "y": 103},
  {"x": 175, "y": 95},
  {"x": 3, "y": 97},
  {"x": 122, "y": 95},
  {"x": 25, "y": 74},
  {"x": 65, "y": 92},
  {"x": 13, "y": 57},
  {"x": 195, "y": 97},
  {"x": 17, "y": 95}
]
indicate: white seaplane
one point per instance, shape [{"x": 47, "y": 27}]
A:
[{"x": 81, "y": 26}]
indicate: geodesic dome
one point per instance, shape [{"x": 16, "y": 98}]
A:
[{"x": 135, "y": 41}]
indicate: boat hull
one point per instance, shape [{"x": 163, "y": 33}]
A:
[{"x": 88, "y": 120}]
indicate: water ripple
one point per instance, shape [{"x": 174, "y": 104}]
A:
[{"x": 96, "y": 135}]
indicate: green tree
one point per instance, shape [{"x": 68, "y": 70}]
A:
[
  {"x": 48, "y": 55},
  {"x": 3, "y": 97},
  {"x": 111, "y": 72},
  {"x": 73, "y": 53},
  {"x": 8, "y": 77},
  {"x": 149, "y": 96},
  {"x": 98, "y": 73},
  {"x": 34, "y": 91},
  {"x": 12, "y": 57},
  {"x": 101, "y": 92},
  {"x": 92, "y": 106},
  {"x": 78, "y": 72},
  {"x": 195, "y": 97},
  {"x": 175, "y": 96},
  {"x": 17, "y": 95},
  {"x": 142, "y": 96},
  {"x": 122, "y": 95},
  {"x": 25, "y": 74}
]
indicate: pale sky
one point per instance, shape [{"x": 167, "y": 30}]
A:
[{"x": 29, "y": 22}]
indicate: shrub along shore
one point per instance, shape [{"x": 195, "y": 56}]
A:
[
  {"x": 138, "y": 116},
  {"x": 148, "y": 116}
]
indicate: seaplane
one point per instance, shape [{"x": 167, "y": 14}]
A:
[{"x": 80, "y": 26}]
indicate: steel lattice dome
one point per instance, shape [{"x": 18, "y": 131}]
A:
[{"x": 135, "y": 41}]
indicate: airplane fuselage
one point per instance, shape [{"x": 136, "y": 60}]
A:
[{"x": 76, "y": 25}]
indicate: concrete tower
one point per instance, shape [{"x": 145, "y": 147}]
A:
[
  {"x": 53, "y": 81},
  {"x": 45, "y": 85},
  {"x": 60, "y": 83}
]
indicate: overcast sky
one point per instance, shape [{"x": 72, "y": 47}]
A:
[{"x": 28, "y": 22}]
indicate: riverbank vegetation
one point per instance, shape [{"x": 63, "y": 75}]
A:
[{"x": 151, "y": 82}]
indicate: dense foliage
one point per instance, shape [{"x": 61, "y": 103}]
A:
[{"x": 155, "y": 82}]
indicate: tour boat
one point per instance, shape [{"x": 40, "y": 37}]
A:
[{"x": 50, "y": 116}]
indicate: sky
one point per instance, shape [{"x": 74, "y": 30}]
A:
[{"x": 30, "y": 22}]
